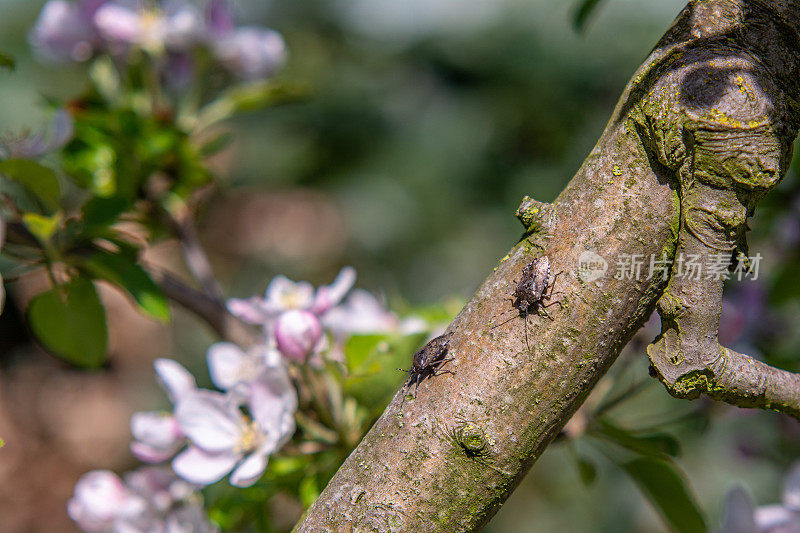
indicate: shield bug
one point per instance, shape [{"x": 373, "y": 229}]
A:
[
  {"x": 532, "y": 292},
  {"x": 428, "y": 362}
]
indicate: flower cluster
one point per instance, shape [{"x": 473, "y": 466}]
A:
[
  {"x": 76, "y": 30},
  {"x": 295, "y": 315},
  {"x": 210, "y": 434},
  {"x": 150, "y": 499}
]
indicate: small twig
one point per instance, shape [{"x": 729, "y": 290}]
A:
[
  {"x": 193, "y": 253},
  {"x": 617, "y": 399}
]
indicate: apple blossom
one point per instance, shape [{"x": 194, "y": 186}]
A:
[
  {"x": 230, "y": 366},
  {"x": 64, "y": 30},
  {"x": 283, "y": 294},
  {"x": 121, "y": 23},
  {"x": 148, "y": 500},
  {"x": 223, "y": 439},
  {"x": 101, "y": 499},
  {"x": 251, "y": 52},
  {"x": 360, "y": 313},
  {"x": 157, "y": 436}
]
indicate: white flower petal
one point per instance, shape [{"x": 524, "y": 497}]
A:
[
  {"x": 791, "y": 488},
  {"x": 251, "y": 469},
  {"x": 150, "y": 454},
  {"x": 98, "y": 500},
  {"x": 329, "y": 296},
  {"x": 63, "y": 129},
  {"x": 209, "y": 421},
  {"x": 176, "y": 380},
  {"x": 188, "y": 519},
  {"x": 267, "y": 356},
  {"x": 271, "y": 397},
  {"x": 156, "y": 428},
  {"x": 738, "y": 512},
  {"x": 769, "y": 517},
  {"x": 360, "y": 313},
  {"x": 251, "y": 52},
  {"x": 196, "y": 466},
  {"x": 225, "y": 361},
  {"x": 283, "y": 294},
  {"x": 251, "y": 310},
  {"x": 119, "y": 23}
]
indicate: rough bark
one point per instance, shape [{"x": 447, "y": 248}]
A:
[{"x": 702, "y": 131}]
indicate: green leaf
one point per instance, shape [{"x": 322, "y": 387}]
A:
[
  {"x": 664, "y": 485},
  {"x": 216, "y": 144},
  {"x": 584, "y": 11},
  {"x": 70, "y": 322},
  {"x": 359, "y": 348},
  {"x": 129, "y": 276},
  {"x": 254, "y": 96},
  {"x": 652, "y": 444},
  {"x": 6, "y": 61},
  {"x": 103, "y": 211},
  {"x": 372, "y": 362},
  {"x": 587, "y": 470},
  {"x": 309, "y": 490},
  {"x": 41, "y": 226},
  {"x": 38, "y": 179},
  {"x": 249, "y": 97}
]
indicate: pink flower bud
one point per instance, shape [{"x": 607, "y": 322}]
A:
[{"x": 297, "y": 333}]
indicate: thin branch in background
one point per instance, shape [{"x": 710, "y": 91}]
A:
[
  {"x": 193, "y": 253},
  {"x": 209, "y": 309}
]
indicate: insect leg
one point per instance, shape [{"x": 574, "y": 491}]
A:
[
  {"x": 544, "y": 313},
  {"x": 559, "y": 302}
]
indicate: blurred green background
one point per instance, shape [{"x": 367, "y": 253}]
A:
[{"x": 427, "y": 123}]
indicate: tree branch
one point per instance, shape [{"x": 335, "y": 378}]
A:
[
  {"x": 193, "y": 253},
  {"x": 741, "y": 380},
  {"x": 211, "y": 310},
  {"x": 725, "y": 66}
]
